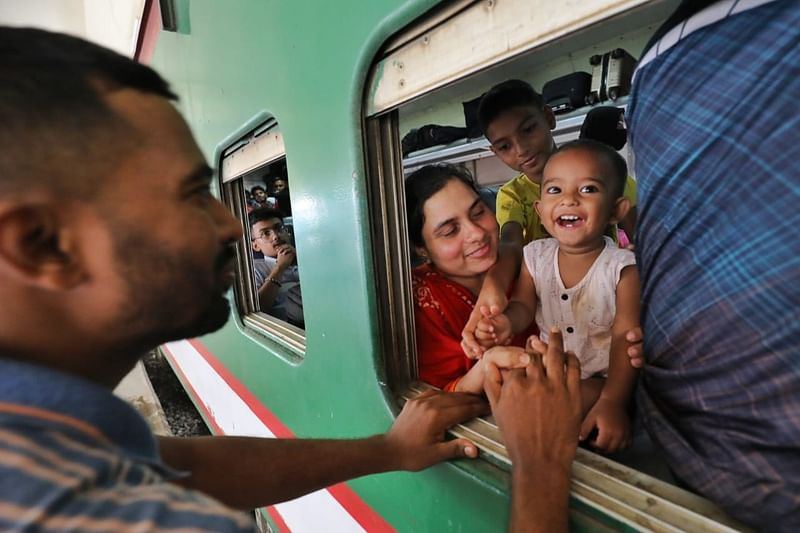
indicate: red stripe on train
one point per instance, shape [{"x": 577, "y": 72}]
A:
[
  {"x": 347, "y": 498},
  {"x": 216, "y": 429}
]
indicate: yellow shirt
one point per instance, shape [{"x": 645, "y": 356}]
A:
[{"x": 515, "y": 202}]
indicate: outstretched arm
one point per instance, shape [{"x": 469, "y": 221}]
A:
[
  {"x": 249, "y": 472},
  {"x": 538, "y": 411},
  {"x": 609, "y": 413},
  {"x": 492, "y": 297}
]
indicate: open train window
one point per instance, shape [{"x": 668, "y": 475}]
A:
[
  {"x": 425, "y": 76},
  {"x": 256, "y": 187}
]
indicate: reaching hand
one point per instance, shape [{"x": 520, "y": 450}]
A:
[
  {"x": 417, "y": 437},
  {"x": 612, "y": 423},
  {"x": 636, "y": 348},
  {"x": 491, "y": 301},
  {"x": 494, "y": 329},
  {"x": 538, "y": 409}
]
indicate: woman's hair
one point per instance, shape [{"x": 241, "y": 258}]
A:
[{"x": 424, "y": 183}]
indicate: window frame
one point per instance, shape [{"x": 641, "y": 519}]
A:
[
  {"x": 254, "y": 146},
  {"x": 629, "y": 495}
]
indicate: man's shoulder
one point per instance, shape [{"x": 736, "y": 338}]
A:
[{"x": 81, "y": 481}]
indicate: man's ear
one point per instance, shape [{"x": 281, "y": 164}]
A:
[
  {"x": 37, "y": 249},
  {"x": 620, "y": 209},
  {"x": 254, "y": 244}
]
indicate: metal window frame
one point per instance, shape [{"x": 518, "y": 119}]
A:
[{"x": 260, "y": 146}]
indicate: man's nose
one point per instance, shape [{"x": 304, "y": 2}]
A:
[{"x": 230, "y": 229}]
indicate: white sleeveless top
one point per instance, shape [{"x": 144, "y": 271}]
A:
[{"x": 585, "y": 312}]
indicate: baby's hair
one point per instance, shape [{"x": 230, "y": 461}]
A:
[
  {"x": 615, "y": 162},
  {"x": 504, "y": 96},
  {"x": 424, "y": 183}
]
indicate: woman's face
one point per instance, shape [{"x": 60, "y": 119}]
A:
[{"x": 460, "y": 233}]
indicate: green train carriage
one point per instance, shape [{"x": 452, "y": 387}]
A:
[{"x": 321, "y": 93}]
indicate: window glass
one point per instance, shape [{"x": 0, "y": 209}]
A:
[{"x": 257, "y": 187}]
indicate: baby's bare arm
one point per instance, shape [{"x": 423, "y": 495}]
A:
[
  {"x": 521, "y": 309},
  {"x": 621, "y": 375},
  {"x": 609, "y": 413}
]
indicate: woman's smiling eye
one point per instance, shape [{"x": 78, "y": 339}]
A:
[
  {"x": 478, "y": 211},
  {"x": 448, "y": 231}
]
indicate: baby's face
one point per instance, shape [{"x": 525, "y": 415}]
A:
[{"x": 576, "y": 201}]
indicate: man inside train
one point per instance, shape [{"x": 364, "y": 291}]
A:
[
  {"x": 277, "y": 277},
  {"x": 112, "y": 243}
]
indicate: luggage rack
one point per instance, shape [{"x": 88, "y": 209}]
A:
[{"x": 463, "y": 150}]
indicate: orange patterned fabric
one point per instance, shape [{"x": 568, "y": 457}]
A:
[{"x": 441, "y": 310}]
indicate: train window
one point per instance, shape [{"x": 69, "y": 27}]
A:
[
  {"x": 429, "y": 75},
  {"x": 256, "y": 187}
]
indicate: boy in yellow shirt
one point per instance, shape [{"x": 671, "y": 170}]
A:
[{"x": 518, "y": 125}]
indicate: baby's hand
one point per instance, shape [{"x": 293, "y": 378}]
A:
[
  {"x": 612, "y": 423},
  {"x": 484, "y": 333},
  {"x": 493, "y": 330}
]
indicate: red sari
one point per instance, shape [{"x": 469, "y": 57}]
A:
[{"x": 441, "y": 310}]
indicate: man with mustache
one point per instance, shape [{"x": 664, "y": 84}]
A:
[{"x": 101, "y": 183}]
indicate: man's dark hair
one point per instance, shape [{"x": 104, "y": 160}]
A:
[
  {"x": 52, "y": 89},
  {"x": 424, "y": 183},
  {"x": 263, "y": 213},
  {"x": 615, "y": 163},
  {"x": 257, "y": 187},
  {"x": 504, "y": 96}
]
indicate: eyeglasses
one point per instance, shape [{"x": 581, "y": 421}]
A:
[{"x": 269, "y": 233}]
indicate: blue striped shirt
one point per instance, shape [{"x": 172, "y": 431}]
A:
[
  {"x": 75, "y": 457},
  {"x": 715, "y": 124}
]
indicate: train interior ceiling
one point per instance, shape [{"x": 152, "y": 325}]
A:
[{"x": 446, "y": 106}]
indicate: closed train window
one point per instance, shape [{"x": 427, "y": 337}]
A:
[
  {"x": 419, "y": 109},
  {"x": 257, "y": 188}
]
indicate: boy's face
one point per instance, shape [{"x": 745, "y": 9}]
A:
[
  {"x": 268, "y": 236},
  {"x": 577, "y": 203},
  {"x": 278, "y": 186},
  {"x": 521, "y": 137}
]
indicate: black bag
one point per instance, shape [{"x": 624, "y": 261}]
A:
[
  {"x": 431, "y": 135},
  {"x": 568, "y": 92},
  {"x": 471, "y": 117}
]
